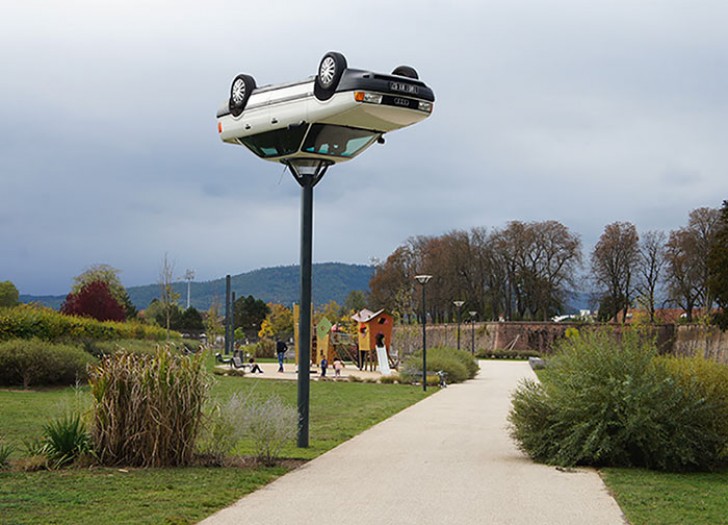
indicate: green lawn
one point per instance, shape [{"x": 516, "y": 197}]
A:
[
  {"x": 659, "y": 498},
  {"x": 338, "y": 411}
]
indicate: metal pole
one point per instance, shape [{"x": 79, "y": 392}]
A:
[
  {"x": 227, "y": 314},
  {"x": 304, "y": 333},
  {"x": 232, "y": 322},
  {"x": 424, "y": 342}
]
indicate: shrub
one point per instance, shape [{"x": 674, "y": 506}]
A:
[
  {"x": 266, "y": 347},
  {"x": 271, "y": 424},
  {"x": 34, "y": 362},
  {"x": 458, "y": 364},
  {"x": 613, "y": 402},
  {"x": 65, "y": 440},
  {"x": 268, "y": 423},
  {"x": 388, "y": 380},
  {"x": 148, "y": 409}
]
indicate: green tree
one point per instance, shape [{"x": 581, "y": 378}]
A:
[
  {"x": 8, "y": 294},
  {"x": 249, "y": 314},
  {"x": 355, "y": 301},
  {"x": 718, "y": 267},
  {"x": 191, "y": 319}
]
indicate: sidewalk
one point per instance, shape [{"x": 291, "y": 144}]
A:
[{"x": 445, "y": 460}]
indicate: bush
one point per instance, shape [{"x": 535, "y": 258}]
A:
[
  {"x": 614, "y": 402},
  {"x": 458, "y": 364},
  {"x": 148, "y": 409},
  {"x": 266, "y": 347},
  {"x": 34, "y": 362}
]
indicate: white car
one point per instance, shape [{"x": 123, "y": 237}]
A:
[{"x": 333, "y": 116}]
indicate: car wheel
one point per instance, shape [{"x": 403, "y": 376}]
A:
[
  {"x": 406, "y": 71},
  {"x": 329, "y": 73},
  {"x": 240, "y": 90}
]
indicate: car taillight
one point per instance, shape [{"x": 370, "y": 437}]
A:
[{"x": 219, "y": 126}]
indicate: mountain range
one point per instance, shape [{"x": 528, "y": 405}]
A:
[{"x": 331, "y": 282}]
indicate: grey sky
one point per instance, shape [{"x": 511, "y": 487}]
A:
[{"x": 582, "y": 112}]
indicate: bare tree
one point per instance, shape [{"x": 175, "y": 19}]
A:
[
  {"x": 167, "y": 296},
  {"x": 613, "y": 264},
  {"x": 651, "y": 264},
  {"x": 687, "y": 261}
]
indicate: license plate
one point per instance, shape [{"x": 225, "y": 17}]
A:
[{"x": 401, "y": 87}]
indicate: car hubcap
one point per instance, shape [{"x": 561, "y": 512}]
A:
[
  {"x": 327, "y": 71},
  {"x": 238, "y": 91}
]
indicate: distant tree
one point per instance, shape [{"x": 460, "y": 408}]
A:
[
  {"x": 167, "y": 296},
  {"x": 718, "y": 267},
  {"x": 687, "y": 252},
  {"x": 249, "y": 314},
  {"x": 650, "y": 267},
  {"x": 94, "y": 300},
  {"x": 9, "y": 295},
  {"x": 278, "y": 323},
  {"x": 109, "y": 275},
  {"x": 160, "y": 313},
  {"x": 191, "y": 319},
  {"x": 614, "y": 261},
  {"x": 213, "y": 323},
  {"x": 355, "y": 301}
]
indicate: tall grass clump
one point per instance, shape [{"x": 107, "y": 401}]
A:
[
  {"x": 33, "y": 362},
  {"x": 609, "y": 401},
  {"x": 5, "y": 452},
  {"x": 458, "y": 364},
  {"x": 148, "y": 408}
]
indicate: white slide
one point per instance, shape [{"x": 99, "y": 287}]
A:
[{"x": 383, "y": 361}]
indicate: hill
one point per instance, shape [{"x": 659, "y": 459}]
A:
[{"x": 331, "y": 282}]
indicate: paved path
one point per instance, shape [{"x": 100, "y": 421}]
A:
[{"x": 445, "y": 460}]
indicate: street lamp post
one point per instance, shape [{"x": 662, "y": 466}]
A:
[
  {"x": 307, "y": 172},
  {"x": 472, "y": 320},
  {"x": 459, "y": 305},
  {"x": 423, "y": 280}
]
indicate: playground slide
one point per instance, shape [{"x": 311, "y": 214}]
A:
[{"x": 383, "y": 361}]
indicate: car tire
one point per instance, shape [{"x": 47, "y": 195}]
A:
[
  {"x": 406, "y": 71},
  {"x": 329, "y": 73},
  {"x": 240, "y": 90}
]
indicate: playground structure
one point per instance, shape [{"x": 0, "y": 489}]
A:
[
  {"x": 375, "y": 340},
  {"x": 371, "y": 348}
]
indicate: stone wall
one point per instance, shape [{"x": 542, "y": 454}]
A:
[{"x": 671, "y": 339}]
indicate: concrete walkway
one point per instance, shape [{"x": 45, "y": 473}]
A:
[{"x": 445, "y": 460}]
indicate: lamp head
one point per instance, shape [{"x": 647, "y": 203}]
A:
[{"x": 423, "y": 279}]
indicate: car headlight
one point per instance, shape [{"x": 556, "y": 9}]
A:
[
  {"x": 425, "y": 106},
  {"x": 369, "y": 98}
]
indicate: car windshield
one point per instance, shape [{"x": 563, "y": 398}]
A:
[
  {"x": 337, "y": 141},
  {"x": 277, "y": 142}
]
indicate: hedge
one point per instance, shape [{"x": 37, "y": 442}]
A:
[{"x": 29, "y": 321}]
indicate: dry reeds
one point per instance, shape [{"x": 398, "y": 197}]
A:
[{"x": 148, "y": 409}]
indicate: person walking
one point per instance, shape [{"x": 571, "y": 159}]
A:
[
  {"x": 281, "y": 349},
  {"x": 324, "y": 364},
  {"x": 338, "y": 365}
]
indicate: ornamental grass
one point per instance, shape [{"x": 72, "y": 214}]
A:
[{"x": 148, "y": 409}]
